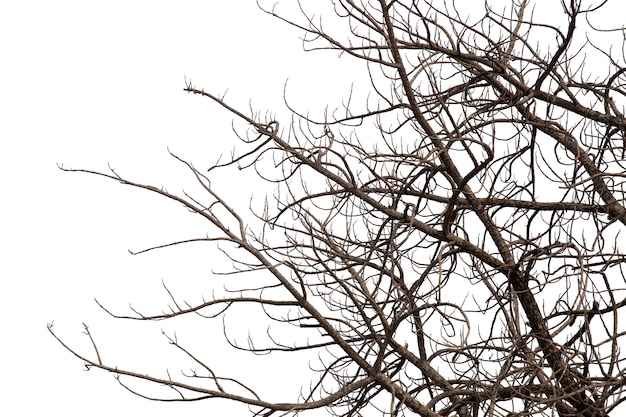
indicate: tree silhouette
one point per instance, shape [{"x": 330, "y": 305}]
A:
[{"x": 448, "y": 246}]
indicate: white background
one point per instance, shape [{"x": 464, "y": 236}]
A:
[{"x": 86, "y": 84}]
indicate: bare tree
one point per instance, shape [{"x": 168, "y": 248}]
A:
[{"x": 449, "y": 246}]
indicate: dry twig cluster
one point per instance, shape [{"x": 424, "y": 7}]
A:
[{"x": 452, "y": 249}]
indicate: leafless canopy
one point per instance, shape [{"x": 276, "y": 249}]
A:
[{"x": 450, "y": 245}]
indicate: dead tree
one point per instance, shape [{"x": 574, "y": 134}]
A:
[{"x": 449, "y": 248}]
